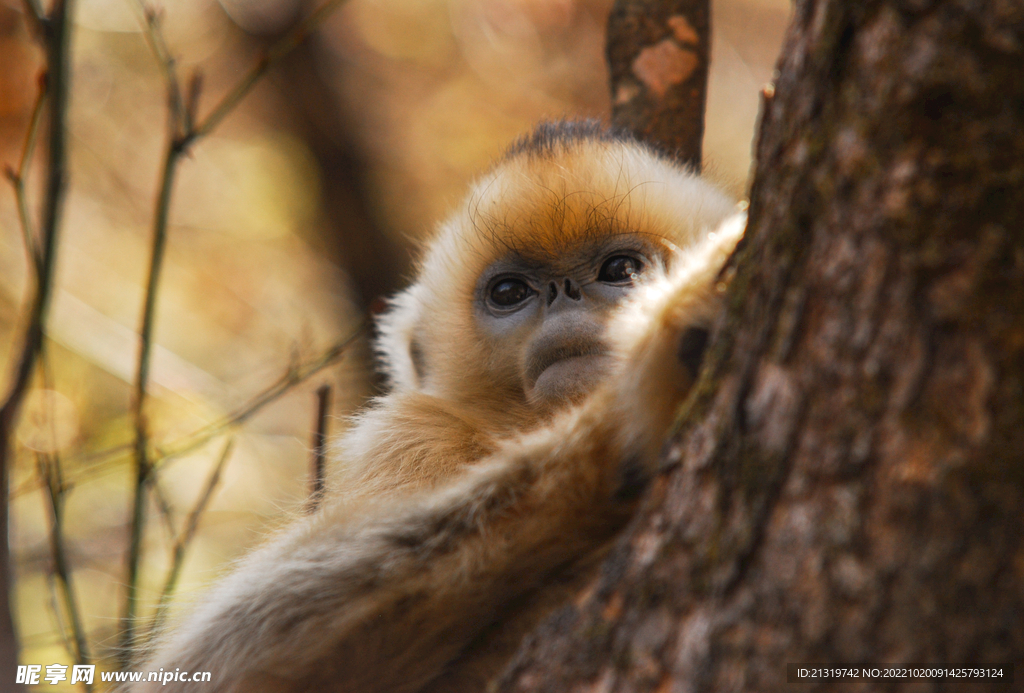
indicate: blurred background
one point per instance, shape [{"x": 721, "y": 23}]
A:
[{"x": 289, "y": 223}]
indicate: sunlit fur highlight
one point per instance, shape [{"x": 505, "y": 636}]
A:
[{"x": 462, "y": 516}]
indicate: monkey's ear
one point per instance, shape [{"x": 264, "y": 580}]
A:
[{"x": 401, "y": 357}]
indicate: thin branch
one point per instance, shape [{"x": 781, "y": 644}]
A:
[
  {"x": 183, "y": 446},
  {"x": 58, "y": 39},
  {"x": 164, "y": 506},
  {"x": 49, "y": 469},
  {"x": 18, "y": 178},
  {"x": 187, "y": 534},
  {"x": 294, "y": 376},
  {"x": 181, "y": 123},
  {"x": 142, "y": 462},
  {"x": 54, "y": 204},
  {"x": 50, "y": 472},
  {"x": 102, "y": 461},
  {"x": 182, "y": 136},
  {"x": 33, "y": 129},
  {"x": 318, "y": 476},
  {"x": 55, "y": 613},
  {"x": 195, "y": 88},
  {"x": 142, "y": 469},
  {"x": 282, "y": 47}
]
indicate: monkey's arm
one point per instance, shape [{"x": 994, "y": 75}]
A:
[
  {"x": 381, "y": 602},
  {"x": 383, "y": 599},
  {"x": 408, "y": 441}
]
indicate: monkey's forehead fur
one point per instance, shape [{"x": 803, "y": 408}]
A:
[
  {"x": 567, "y": 184},
  {"x": 564, "y": 185}
]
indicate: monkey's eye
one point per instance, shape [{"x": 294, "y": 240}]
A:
[
  {"x": 620, "y": 269},
  {"x": 509, "y": 292}
]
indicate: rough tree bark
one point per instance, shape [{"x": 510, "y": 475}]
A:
[{"x": 847, "y": 482}]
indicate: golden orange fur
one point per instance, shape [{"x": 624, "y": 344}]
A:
[{"x": 465, "y": 510}]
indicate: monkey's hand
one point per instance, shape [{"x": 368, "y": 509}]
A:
[
  {"x": 383, "y": 598},
  {"x": 660, "y": 335}
]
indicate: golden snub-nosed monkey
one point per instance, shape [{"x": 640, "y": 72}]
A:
[{"x": 555, "y": 325}]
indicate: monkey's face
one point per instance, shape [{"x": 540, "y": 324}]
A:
[
  {"x": 548, "y": 315},
  {"x": 509, "y": 311}
]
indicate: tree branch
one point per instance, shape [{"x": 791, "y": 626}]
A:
[
  {"x": 182, "y": 135},
  {"x": 658, "y": 58},
  {"x": 18, "y": 177},
  {"x": 49, "y": 469},
  {"x": 317, "y": 474},
  {"x": 184, "y": 539},
  {"x": 57, "y": 44},
  {"x": 95, "y": 464},
  {"x": 282, "y": 47}
]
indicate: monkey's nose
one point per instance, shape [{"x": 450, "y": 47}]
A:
[{"x": 570, "y": 288}]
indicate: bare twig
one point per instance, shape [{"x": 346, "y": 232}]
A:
[
  {"x": 180, "y": 122},
  {"x": 294, "y": 376},
  {"x": 318, "y": 478},
  {"x": 49, "y": 469},
  {"x": 164, "y": 506},
  {"x": 160, "y": 218},
  {"x": 141, "y": 447},
  {"x": 282, "y": 47},
  {"x": 18, "y": 178},
  {"x": 95, "y": 464},
  {"x": 182, "y": 135},
  {"x": 184, "y": 539},
  {"x": 51, "y": 474},
  {"x": 195, "y": 88},
  {"x": 58, "y": 616},
  {"x": 57, "y": 43}
]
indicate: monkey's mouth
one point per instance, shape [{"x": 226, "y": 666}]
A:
[
  {"x": 567, "y": 372},
  {"x": 562, "y": 355}
]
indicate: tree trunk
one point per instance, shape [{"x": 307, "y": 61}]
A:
[
  {"x": 847, "y": 486},
  {"x": 370, "y": 256}
]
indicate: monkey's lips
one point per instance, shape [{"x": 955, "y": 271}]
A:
[{"x": 567, "y": 375}]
